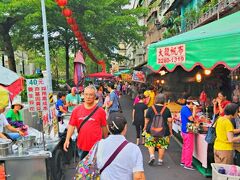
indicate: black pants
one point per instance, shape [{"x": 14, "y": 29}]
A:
[{"x": 138, "y": 130}]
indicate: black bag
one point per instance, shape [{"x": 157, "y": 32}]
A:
[
  {"x": 211, "y": 134},
  {"x": 157, "y": 127},
  {"x": 86, "y": 119}
]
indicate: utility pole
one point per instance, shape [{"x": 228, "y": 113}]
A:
[{"x": 46, "y": 47}]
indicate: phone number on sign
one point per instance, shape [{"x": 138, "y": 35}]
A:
[{"x": 168, "y": 60}]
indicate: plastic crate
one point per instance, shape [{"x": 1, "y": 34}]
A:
[{"x": 217, "y": 176}]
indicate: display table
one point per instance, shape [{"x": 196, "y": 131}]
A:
[{"x": 201, "y": 149}]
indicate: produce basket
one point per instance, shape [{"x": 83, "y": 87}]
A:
[{"x": 217, "y": 176}]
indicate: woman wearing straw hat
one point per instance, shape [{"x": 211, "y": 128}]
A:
[{"x": 14, "y": 116}]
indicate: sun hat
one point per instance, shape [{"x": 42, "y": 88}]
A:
[{"x": 16, "y": 102}]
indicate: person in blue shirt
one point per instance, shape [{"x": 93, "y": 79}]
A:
[
  {"x": 60, "y": 106},
  {"x": 113, "y": 104},
  {"x": 187, "y": 114}
]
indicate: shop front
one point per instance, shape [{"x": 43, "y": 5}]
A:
[{"x": 206, "y": 60}]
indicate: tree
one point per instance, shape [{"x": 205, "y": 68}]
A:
[
  {"x": 104, "y": 24},
  {"x": 11, "y": 13}
]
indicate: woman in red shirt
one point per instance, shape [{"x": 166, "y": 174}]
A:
[{"x": 219, "y": 104}]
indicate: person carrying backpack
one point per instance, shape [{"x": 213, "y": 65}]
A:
[{"x": 158, "y": 129}]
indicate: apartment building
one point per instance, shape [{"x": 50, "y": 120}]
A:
[{"x": 167, "y": 18}]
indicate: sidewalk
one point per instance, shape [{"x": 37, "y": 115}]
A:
[{"x": 171, "y": 170}]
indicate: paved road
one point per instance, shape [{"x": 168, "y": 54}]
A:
[{"x": 171, "y": 170}]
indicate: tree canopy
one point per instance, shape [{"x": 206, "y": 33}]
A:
[{"x": 104, "y": 24}]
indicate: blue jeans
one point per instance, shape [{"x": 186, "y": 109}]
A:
[{"x": 14, "y": 136}]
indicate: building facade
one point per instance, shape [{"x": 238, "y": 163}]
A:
[{"x": 167, "y": 18}]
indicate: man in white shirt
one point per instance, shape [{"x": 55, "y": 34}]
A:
[
  {"x": 128, "y": 164},
  {"x": 4, "y": 123}
]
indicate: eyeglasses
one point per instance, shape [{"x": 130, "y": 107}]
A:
[{"x": 89, "y": 95}]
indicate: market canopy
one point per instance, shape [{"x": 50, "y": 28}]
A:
[
  {"x": 11, "y": 81},
  {"x": 208, "y": 46},
  {"x": 4, "y": 94},
  {"x": 100, "y": 75},
  {"x": 125, "y": 71}
]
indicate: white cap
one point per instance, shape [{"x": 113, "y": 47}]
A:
[{"x": 196, "y": 103}]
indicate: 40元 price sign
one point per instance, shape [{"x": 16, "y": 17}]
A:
[{"x": 37, "y": 94}]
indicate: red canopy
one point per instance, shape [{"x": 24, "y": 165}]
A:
[
  {"x": 15, "y": 88},
  {"x": 100, "y": 75},
  {"x": 11, "y": 81}
]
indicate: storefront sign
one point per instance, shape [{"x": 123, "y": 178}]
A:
[
  {"x": 138, "y": 76},
  {"x": 126, "y": 77},
  {"x": 37, "y": 95},
  {"x": 171, "y": 54}
]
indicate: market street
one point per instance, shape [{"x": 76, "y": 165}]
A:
[{"x": 171, "y": 169}]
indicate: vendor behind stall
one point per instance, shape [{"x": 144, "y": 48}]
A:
[
  {"x": 219, "y": 104},
  {"x": 14, "y": 115},
  {"x": 14, "y": 134}
]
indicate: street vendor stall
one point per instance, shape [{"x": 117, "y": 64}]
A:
[
  {"x": 201, "y": 149},
  {"x": 39, "y": 153},
  {"x": 207, "y": 48}
]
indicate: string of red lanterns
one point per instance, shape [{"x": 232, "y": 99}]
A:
[{"x": 74, "y": 26}]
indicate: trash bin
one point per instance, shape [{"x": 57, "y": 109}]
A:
[{"x": 217, "y": 176}]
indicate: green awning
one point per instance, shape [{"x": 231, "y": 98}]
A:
[
  {"x": 126, "y": 71},
  {"x": 212, "y": 44}
]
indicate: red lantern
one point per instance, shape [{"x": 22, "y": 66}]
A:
[
  {"x": 81, "y": 39},
  {"x": 77, "y": 33},
  {"x": 62, "y": 3},
  {"x": 74, "y": 27},
  {"x": 67, "y": 12},
  {"x": 84, "y": 45},
  {"x": 71, "y": 21}
]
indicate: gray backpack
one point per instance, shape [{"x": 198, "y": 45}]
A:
[{"x": 157, "y": 127}]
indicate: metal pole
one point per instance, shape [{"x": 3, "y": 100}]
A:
[
  {"x": 3, "y": 63},
  {"x": 218, "y": 10},
  {"x": 46, "y": 46},
  {"x": 23, "y": 68}
]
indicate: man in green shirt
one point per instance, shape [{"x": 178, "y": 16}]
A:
[{"x": 72, "y": 99}]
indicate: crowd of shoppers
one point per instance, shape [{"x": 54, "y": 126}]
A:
[{"x": 107, "y": 127}]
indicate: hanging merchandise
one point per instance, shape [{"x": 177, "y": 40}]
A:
[{"x": 138, "y": 76}]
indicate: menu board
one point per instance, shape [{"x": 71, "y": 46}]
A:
[{"x": 37, "y": 94}]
